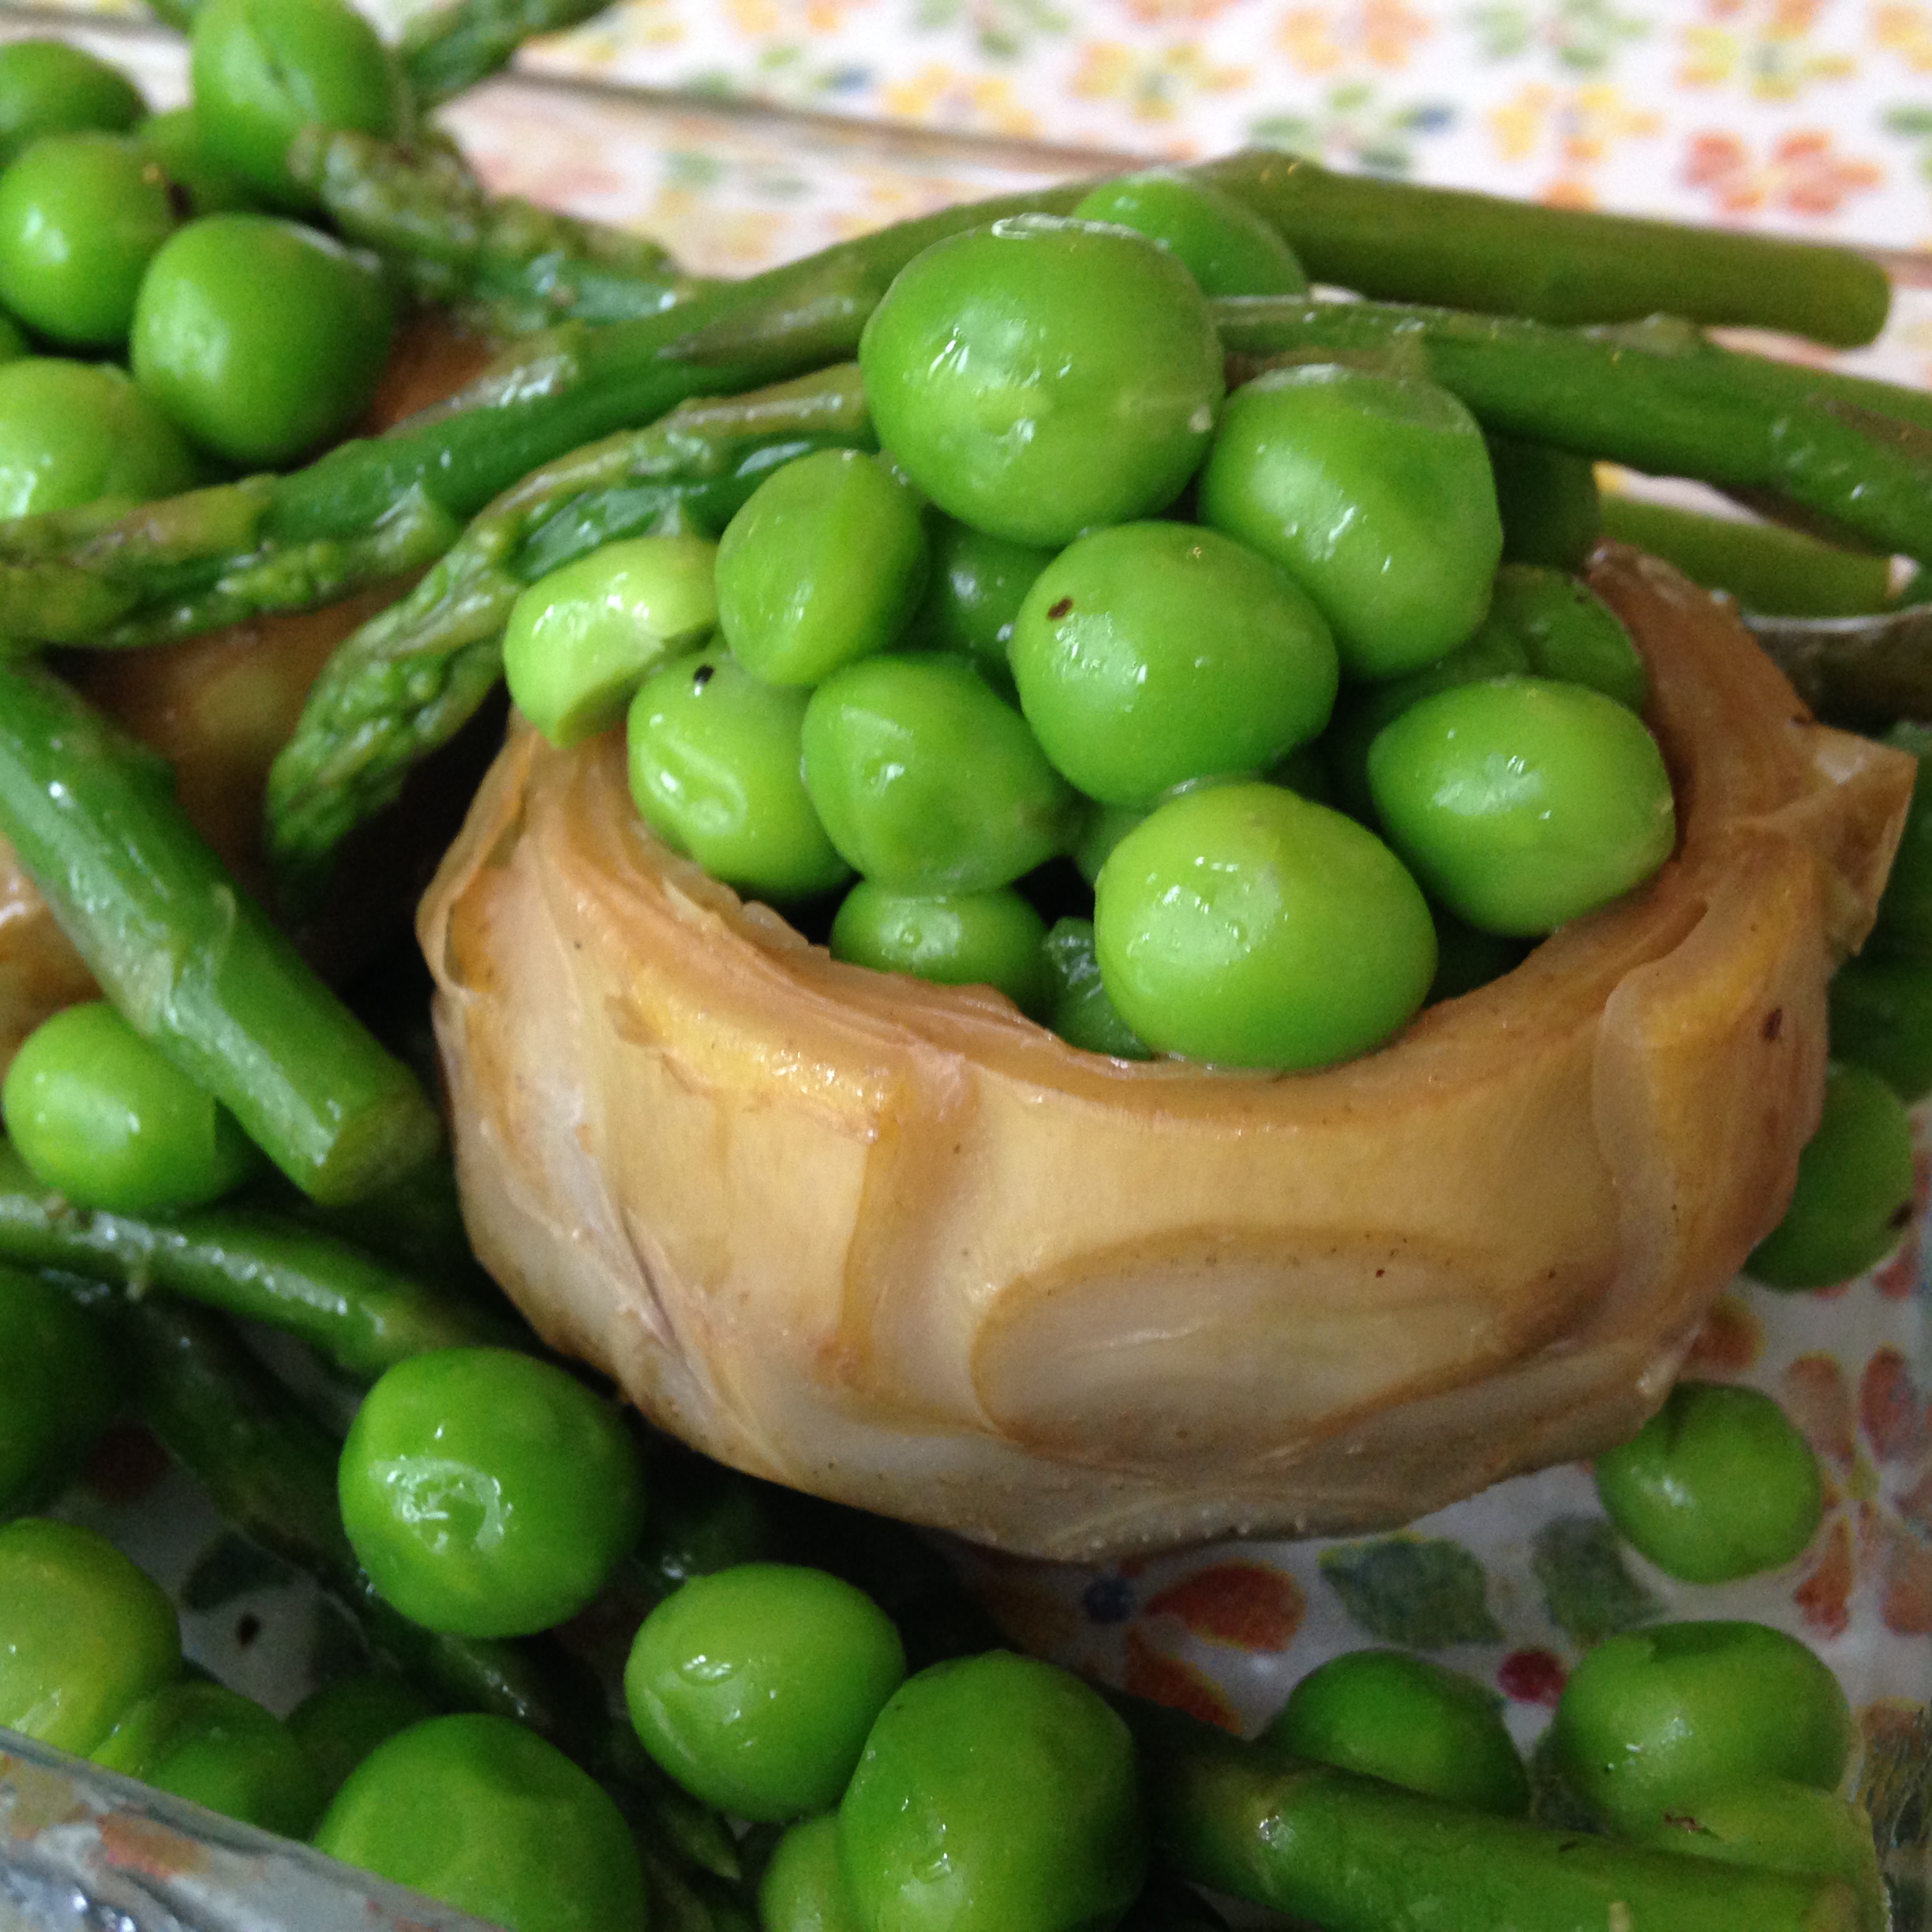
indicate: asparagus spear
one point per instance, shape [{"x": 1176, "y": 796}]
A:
[
  {"x": 102, "y": 576},
  {"x": 413, "y": 676},
  {"x": 374, "y": 509},
  {"x": 1396, "y": 242},
  {"x": 1351, "y": 1854},
  {"x": 1656, "y": 397},
  {"x": 1765, "y": 567},
  {"x": 193, "y": 963},
  {"x": 1864, "y": 392},
  {"x": 448, "y": 50},
  {"x": 363, "y": 1316},
  {"x": 505, "y": 265},
  {"x": 414, "y": 1223}
]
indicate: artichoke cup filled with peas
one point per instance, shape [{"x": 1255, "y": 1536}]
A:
[
  {"x": 1085, "y": 933},
  {"x": 1305, "y": 1014}
]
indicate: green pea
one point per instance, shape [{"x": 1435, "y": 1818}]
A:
[
  {"x": 1363, "y": 709},
  {"x": 1773, "y": 1824},
  {"x": 59, "y": 1386},
  {"x": 340, "y": 1724},
  {"x": 1551, "y": 511},
  {"x": 50, "y": 87},
  {"x": 101, "y": 1116},
  {"x": 582, "y": 639},
  {"x": 1523, "y": 803},
  {"x": 1040, "y": 377},
  {"x": 978, "y": 584},
  {"x": 1904, "y": 926},
  {"x": 1243, "y": 925},
  {"x": 1304, "y": 771},
  {"x": 825, "y": 564},
  {"x": 74, "y": 433},
  {"x": 260, "y": 338},
  {"x": 263, "y": 70},
  {"x": 1152, "y": 654},
  {"x": 926, "y": 781},
  {"x": 83, "y": 1635},
  {"x": 994, "y": 1792},
  {"x": 489, "y": 1494},
  {"x": 1881, "y": 1019},
  {"x": 991, "y": 938},
  {"x": 486, "y": 1816},
  {"x": 1716, "y": 1485},
  {"x": 1227, "y": 247},
  {"x": 714, "y": 761},
  {"x": 803, "y": 1889},
  {"x": 82, "y": 215},
  {"x": 1081, "y": 1013},
  {"x": 1657, "y": 1717},
  {"x": 1854, "y": 1192},
  {"x": 1374, "y": 493},
  {"x": 176, "y": 141},
  {"x": 755, "y": 1686},
  {"x": 212, "y": 1746},
  {"x": 1565, "y": 631},
  {"x": 1414, "y": 1723}
]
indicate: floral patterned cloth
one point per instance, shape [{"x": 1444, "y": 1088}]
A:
[
  {"x": 1809, "y": 115},
  {"x": 1792, "y": 113}
]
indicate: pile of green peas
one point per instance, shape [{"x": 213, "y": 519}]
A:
[
  {"x": 166, "y": 316},
  {"x": 1191, "y": 721},
  {"x": 980, "y": 1794}
]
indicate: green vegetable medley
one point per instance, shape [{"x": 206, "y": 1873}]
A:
[
  {"x": 1057, "y": 597},
  {"x": 942, "y": 669}
]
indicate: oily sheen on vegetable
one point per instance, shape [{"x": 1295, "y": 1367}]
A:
[{"x": 890, "y": 1242}]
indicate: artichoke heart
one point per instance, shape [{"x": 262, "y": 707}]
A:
[{"x": 890, "y": 1242}]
